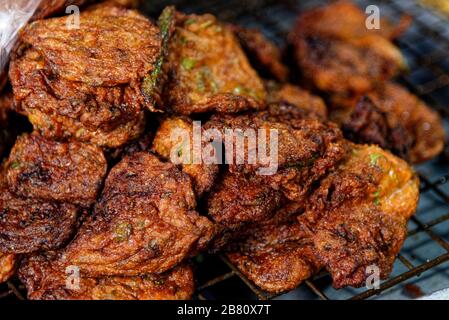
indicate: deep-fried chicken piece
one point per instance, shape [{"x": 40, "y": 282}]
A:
[
  {"x": 85, "y": 83},
  {"x": 276, "y": 257},
  {"x": 311, "y": 106},
  {"x": 28, "y": 225},
  {"x": 145, "y": 222},
  {"x": 263, "y": 54},
  {"x": 207, "y": 70},
  {"x": 358, "y": 216},
  {"x": 7, "y": 266},
  {"x": 54, "y": 171},
  {"x": 338, "y": 53},
  {"x": 45, "y": 280},
  {"x": 174, "y": 142},
  {"x": 393, "y": 118}
]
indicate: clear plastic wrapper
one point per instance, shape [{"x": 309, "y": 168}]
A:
[{"x": 14, "y": 14}]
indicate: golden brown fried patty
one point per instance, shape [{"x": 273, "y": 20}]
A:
[
  {"x": 393, "y": 118},
  {"x": 46, "y": 281},
  {"x": 276, "y": 257},
  {"x": 243, "y": 198},
  {"x": 85, "y": 83},
  {"x": 174, "y": 141},
  {"x": 263, "y": 54},
  {"x": 337, "y": 53},
  {"x": 239, "y": 199},
  {"x": 357, "y": 217},
  {"x": 28, "y": 225},
  {"x": 145, "y": 222},
  {"x": 207, "y": 70},
  {"x": 286, "y": 96},
  {"x": 300, "y": 141},
  {"x": 7, "y": 266},
  {"x": 53, "y": 171}
]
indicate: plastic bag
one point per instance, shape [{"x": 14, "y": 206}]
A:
[{"x": 14, "y": 14}]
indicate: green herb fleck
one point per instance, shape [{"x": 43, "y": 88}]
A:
[
  {"x": 373, "y": 158},
  {"x": 201, "y": 86},
  {"x": 238, "y": 90},
  {"x": 376, "y": 195},
  {"x": 214, "y": 86},
  {"x": 151, "y": 81},
  {"x": 123, "y": 231},
  {"x": 206, "y": 24},
  {"x": 159, "y": 282},
  {"x": 79, "y": 133},
  {"x": 15, "y": 165},
  {"x": 188, "y": 63},
  {"x": 189, "y": 21}
]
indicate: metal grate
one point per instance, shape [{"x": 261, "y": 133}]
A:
[{"x": 423, "y": 263}]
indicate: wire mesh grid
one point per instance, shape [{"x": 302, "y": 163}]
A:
[{"x": 423, "y": 263}]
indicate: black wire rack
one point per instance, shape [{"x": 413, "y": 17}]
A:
[{"x": 423, "y": 264}]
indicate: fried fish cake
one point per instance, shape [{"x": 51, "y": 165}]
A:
[
  {"x": 307, "y": 150},
  {"x": 263, "y": 54},
  {"x": 207, "y": 70},
  {"x": 238, "y": 200},
  {"x": 41, "y": 169},
  {"x": 291, "y": 142},
  {"x": 285, "y": 96},
  {"x": 28, "y": 225},
  {"x": 145, "y": 222},
  {"x": 174, "y": 141},
  {"x": 357, "y": 217},
  {"x": 393, "y": 118},
  {"x": 45, "y": 280},
  {"x": 276, "y": 257},
  {"x": 337, "y": 53},
  {"x": 86, "y": 83},
  {"x": 8, "y": 263}
]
